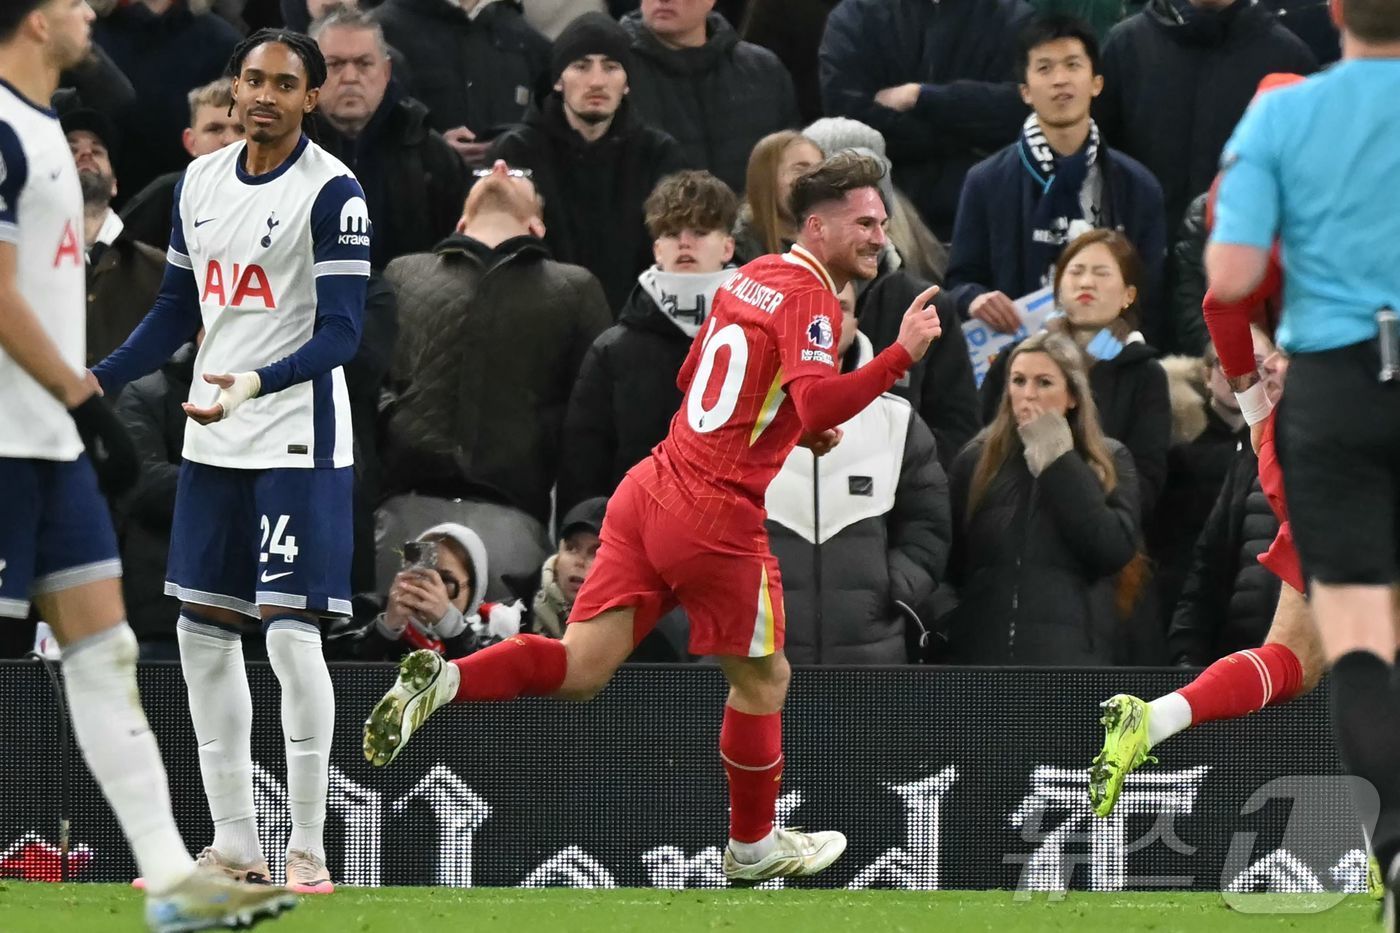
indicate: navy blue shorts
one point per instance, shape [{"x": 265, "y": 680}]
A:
[
  {"x": 248, "y": 538},
  {"x": 55, "y": 531}
]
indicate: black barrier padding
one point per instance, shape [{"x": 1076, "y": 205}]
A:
[{"x": 947, "y": 778}]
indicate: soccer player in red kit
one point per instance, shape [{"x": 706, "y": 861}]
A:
[{"x": 686, "y": 524}]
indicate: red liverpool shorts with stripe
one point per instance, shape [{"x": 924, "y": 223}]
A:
[{"x": 652, "y": 560}]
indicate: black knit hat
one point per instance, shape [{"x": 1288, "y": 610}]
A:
[{"x": 590, "y": 34}]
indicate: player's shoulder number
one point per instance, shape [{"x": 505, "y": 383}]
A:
[{"x": 705, "y": 419}]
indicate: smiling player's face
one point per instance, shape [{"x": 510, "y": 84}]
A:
[{"x": 270, "y": 93}]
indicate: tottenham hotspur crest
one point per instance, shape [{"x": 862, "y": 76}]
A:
[{"x": 819, "y": 332}]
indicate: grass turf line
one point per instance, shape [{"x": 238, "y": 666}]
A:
[{"x": 93, "y": 908}]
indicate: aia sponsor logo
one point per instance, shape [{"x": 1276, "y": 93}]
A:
[
  {"x": 70, "y": 248},
  {"x": 241, "y": 286}
]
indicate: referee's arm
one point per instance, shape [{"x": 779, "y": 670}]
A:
[{"x": 1235, "y": 270}]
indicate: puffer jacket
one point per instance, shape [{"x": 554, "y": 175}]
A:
[
  {"x": 1188, "y": 280},
  {"x": 861, "y": 535},
  {"x": 1228, "y": 600},
  {"x": 623, "y": 402},
  {"x": 490, "y": 345},
  {"x": 717, "y": 100},
  {"x": 1035, "y": 565}
]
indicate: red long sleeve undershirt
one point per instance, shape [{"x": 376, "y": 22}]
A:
[
  {"x": 825, "y": 402},
  {"x": 1228, "y": 323}
]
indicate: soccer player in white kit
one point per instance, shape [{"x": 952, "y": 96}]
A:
[
  {"x": 57, "y": 547},
  {"x": 269, "y": 253}
]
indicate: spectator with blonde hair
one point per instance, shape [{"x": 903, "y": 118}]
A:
[
  {"x": 766, "y": 224},
  {"x": 1045, "y": 522}
]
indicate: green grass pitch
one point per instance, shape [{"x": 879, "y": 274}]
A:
[{"x": 80, "y": 908}]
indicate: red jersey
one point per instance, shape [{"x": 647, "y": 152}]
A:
[{"x": 775, "y": 320}]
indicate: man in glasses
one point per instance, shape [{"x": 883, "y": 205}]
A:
[{"x": 414, "y": 183}]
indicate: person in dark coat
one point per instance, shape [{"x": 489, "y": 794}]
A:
[
  {"x": 414, "y": 182},
  {"x": 212, "y": 126},
  {"x": 792, "y": 30},
  {"x": 492, "y": 332},
  {"x": 150, "y": 409},
  {"x": 862, "y": 533},
  {"x": 167, "y": 51},
  {"x": 1021, "y": 206},
  {"x": 477, "y": 65},
  {"x": 936, "y": 79},
  {"x": 594, "y": 161},
  {"x": 626, "y": 394},
  {"x": 1097, "y": 284},
  {"x": 940, "y": 386},
  {"x": 1177, "y": 78},
  {"x": 123, "y": 276},
  {"x": 1045, "y": 524},
  {"x": 693, "y": 78}
]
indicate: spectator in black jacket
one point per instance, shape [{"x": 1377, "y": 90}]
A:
[
  {"x": 1045, "y": 523},
  {"x": 150, "y": 409},
  {"x": 1177, "y": 78},
  {"x": 1020, "y": 207},
  {"x": 413, "y": 181},
  {"x": 166, "y": 50},
  {"x": 936, "y": 79},
  {"x": 477, "y": 65},
  {"x": 1098, "y": 281},
  {"x": 715, "y": 95},
  {"x": 626, "y": 393},
  {"x": 792, "y": 30},
  {"x": 861, "y": 534},
  {"x": 593, "y": 160},
  {"x": 212, "y": 127}
]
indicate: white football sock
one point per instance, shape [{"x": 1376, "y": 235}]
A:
[
  {"x": 99, "y": 678},
  {"x": 221, "y": 708},
  {"x": 308, "y": 723},
  {"x": 750, "y": 852},
  {"x": 1166, "y": 716}
]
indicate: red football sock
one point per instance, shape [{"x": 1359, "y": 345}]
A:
[
  {"x": 1244, "y": 682},
  {"x": 752, "y": 750},
  {"x": 522, "y": 665}
]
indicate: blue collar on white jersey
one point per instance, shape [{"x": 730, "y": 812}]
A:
[{"x": 276, "y": 173}]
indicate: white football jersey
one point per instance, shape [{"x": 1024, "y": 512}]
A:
[
  {"x": 257, "y": 246},
  {"x": 41, "y": 213}
]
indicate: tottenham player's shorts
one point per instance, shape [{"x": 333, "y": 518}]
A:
[
  {"x": 1339, "y": 443},
  {"x": 55, "y": 531},
  {"x": 248, "y": 538},
  {"x": 650, "y": 560}
]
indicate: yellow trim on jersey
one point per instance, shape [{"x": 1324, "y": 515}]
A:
[
  {"x": 765, "y": 627},
  {"x": 812, "y": 264},
  {"x": 769, "y": 409}
]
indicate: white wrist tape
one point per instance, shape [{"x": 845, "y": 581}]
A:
[
  {"x": 1254, "y": 403},
  {"x": 245, "y": 386}
]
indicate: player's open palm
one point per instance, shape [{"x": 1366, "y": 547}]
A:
[{"x": 921, "y": 325}]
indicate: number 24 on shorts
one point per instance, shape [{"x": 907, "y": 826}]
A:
[{"x": 282, "y": 544}]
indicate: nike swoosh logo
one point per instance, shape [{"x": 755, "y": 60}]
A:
[
  {"x": 55, "y": 173},
  {"x": 269, "y": 577},
  {"x": 297, "y": 741},
  {"x": 207, "y": 220}
]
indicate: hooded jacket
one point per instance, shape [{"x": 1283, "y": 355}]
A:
[
  {"x": 717, "y": 101},
  {"x": 1176, "y": 81},
  {"x": 414, "y": 182},
  {"x": 994, "y": 214},
  {"x": 1131, "y": 393},
  {"x": 963, "y": 52},
  {"x": 861, "y": 535},
  {"x": 480, "y": 71},
  {"x": 594, "y": 192},
  {"x": 623, "y": 402},
  {"x": 1034, "y": 566},
  {"x": 489, "y": 349}
]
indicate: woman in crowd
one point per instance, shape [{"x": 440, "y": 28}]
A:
[
  {"x": 1045, "y": 523},
  {"x": 765, "y": 224},
  {"x": 1098, "y": 281}
]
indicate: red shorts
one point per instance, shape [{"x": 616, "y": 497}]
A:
[
  {"x": 651, "y": 560},
  {"x": 1281, "y": 558}
]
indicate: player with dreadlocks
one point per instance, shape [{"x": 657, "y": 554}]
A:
[{"x": 269, "y": 253}]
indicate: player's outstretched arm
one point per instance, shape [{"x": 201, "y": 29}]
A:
[
  {"x": 26, "y": 342},
  {"x": 824, "y": 402}
]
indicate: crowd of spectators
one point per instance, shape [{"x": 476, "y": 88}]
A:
[{"x": 557, "y": 189}]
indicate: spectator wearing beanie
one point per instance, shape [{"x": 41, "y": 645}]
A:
[{"x": 593, "y": 161}]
